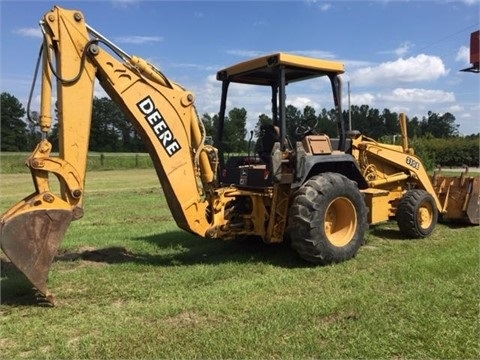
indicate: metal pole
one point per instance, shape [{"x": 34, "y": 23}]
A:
[{"x": 349, "y": 110}]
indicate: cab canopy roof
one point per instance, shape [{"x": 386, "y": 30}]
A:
[{"x": 264, "y": 70}]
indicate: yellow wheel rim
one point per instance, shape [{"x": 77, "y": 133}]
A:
[
  {"x": 340, "y": 221},
  {"x": 425, "y": 215}
]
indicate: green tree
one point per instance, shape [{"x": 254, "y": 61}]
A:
[
  {"x": 14, "y": 133},
  {"x": 210, "y": 123},
  {"x": 262, "y": 120},
  {"x": 257, "y": 133},
  {"x": 413, "y": 127},
  {"x": 294, "y": 120},
  {"x": 234, "y": 131},
  {"x": 104, "y": 136},
  {"x": 439, "y": 126},
  {"x": 376, "y": 123},
  {"x": 33, "y": 132},
  {"x": 129, "y": 138},
  {"x": 390, "y": 119},
  {"x": 360, "y": 119},
  {"x": 110, "y": 129},
  {"x": 309, "y": 118},
  {"x": 327, "y": 122}
]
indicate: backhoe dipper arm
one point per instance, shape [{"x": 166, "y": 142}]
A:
[{"x": 162, "y": 112}]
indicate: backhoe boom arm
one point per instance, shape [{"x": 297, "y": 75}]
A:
[{"x": 162, "y": 112}]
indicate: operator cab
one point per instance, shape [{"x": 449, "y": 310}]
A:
[{"x": 272, "y": 157}]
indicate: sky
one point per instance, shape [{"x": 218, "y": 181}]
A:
[{"x": 400, "y": 55}]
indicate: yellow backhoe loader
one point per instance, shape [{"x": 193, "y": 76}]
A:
[{"x": 318, "y": 192}]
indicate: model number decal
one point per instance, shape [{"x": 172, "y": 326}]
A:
[
  {"x": 159, "y": 126},
  {"x": 413, "y": 163}
]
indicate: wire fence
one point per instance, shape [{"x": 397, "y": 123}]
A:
[{"x": 11, "y": 163}]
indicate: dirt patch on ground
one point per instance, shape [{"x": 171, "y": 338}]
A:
[
  {"x": 186, "y": 319},
  {"x": 110, "y": 255}
]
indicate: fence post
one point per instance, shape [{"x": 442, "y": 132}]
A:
[{"x": 102, "y": 159}]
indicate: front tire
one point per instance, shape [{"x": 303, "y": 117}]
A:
[
  {"x": 327, "y": 219},
  {"x": 417, "y": 214}
]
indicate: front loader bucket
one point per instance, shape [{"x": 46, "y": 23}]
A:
[
  {"x": 473, "y": 204},
  {"x": 30, "y": 238},
  {"x": 460, "y": 197}
]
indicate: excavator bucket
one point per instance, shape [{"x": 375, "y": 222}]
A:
[
  {"x": 30, "y": 237},
  {"x": 460, "y": 197}
]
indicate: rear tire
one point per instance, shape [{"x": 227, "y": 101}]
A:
[
  {"x": 327, "y": 219},
  {"x": 417, "y": 214}
]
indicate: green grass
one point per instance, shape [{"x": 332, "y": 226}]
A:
[{"x": 129, "y": 284}]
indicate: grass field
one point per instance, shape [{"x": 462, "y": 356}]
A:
[
  {"x": 129, "y": 284},
  {"x": 14, "y": 163}
]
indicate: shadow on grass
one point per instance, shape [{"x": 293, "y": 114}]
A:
[
  {"x": 390, "y": 230},
  {"x": 180, "y": 249},
  {"x": 16, "y": 290},
  {"x": 187, "y": 249},
  {"x": 177, "y": 248},
  {"x": 387, "y": 232},
  {"x": 198, "y": 250}
]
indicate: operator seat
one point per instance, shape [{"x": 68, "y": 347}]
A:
[{"x": 270, "y": 134}]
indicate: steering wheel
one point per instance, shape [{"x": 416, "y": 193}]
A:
[{"x": 303, "y": 130}]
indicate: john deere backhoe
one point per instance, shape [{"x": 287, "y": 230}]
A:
[{"x": 317, "y": 192}]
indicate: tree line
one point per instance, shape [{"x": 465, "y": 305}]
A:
[
  {"x": 370, "y": 121},
  {"x": 435, "y": 134}
]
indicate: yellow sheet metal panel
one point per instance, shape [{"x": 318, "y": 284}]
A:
[
  {"x": 377, "y": 201},
  {"x": 311, "y": 63},
  {"x": 260, "y": 70}
]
